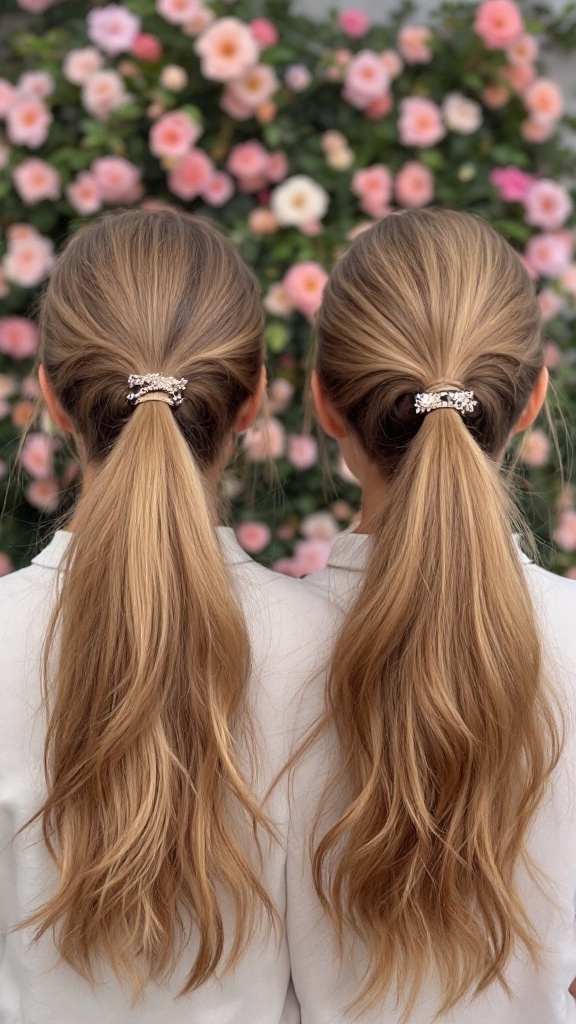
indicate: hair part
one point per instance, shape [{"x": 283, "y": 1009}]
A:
[
  {"x": 149, "y": 813},
  {"x": 445, "y": 721}
]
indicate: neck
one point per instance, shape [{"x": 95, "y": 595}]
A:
[{"x": 374, "y": 492}]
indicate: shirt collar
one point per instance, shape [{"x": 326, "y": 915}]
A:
[
  {"x": 352, "y": 551},
  {"x": 52, "y": 555}
]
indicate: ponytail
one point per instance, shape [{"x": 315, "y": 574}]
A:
[
  {"x": 147, "y": 658},
  {"x": 447, "y": 730}
]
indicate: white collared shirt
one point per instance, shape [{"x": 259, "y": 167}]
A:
[
  {"x": 324, "y": 987},
  {"x": 287, "y": 628}
]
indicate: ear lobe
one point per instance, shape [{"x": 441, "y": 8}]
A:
[
  {"x": 55, "y": 410},
  {"x": 331, "y": 421},
  {"x": 534, "y": 404},
  {"x": 250, "y": 409}
]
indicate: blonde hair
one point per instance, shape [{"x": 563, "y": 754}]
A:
[
  {"x": 447, "y": 730},
  {"x": 147, "y": 657}
]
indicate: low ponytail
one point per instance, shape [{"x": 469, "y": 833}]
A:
[
  {"x": 447, "y": 730},
  {"x": 147, "y": 659}
]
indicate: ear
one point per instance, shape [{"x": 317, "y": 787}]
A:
[
  {"x": 57, "y": 414},
  {"x": 535, "y": 402},
  {"x": 251, "y": 407},
  {"x": 331, "y": 421}
]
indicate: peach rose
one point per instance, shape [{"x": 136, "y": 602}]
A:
[
  {"x": 303, "y": 285},
  {"x": 420, "y": 123},
  {"x": 78, "y": 65},
  {"x": 498, "y": 23},
  {"x": 36, "y": 180},
  {"x": 414, "y": 44},
  {"x": 84, "y": 194},
  {"x": 544, "y": 101},
  {"x": 102, "y": 93},
  {"x": 414, "y": 185},
  {"x": 28, "y": 122},
  {"x": 173, "y": 78},
  {"x": 191, "y": 176},
  {"x": 255, "y": 87},
  {"x": 43, "y": 494},
  {"x": 227, "y": 50}
]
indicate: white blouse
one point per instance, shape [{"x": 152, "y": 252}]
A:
[
  {"x": 288, "y": 626},
  {"x": 324, "y": 987}
]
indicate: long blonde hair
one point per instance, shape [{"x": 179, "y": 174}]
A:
[
  {"x": 147, "y": 658},
  {"x": 447, "y": 732}
]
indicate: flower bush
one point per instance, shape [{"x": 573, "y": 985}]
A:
[{"x": 294, "y": 135}]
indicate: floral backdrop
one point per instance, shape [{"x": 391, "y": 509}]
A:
[{"x": 294, "y": 135}]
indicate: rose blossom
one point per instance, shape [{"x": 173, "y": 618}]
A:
[
  {"x": 366, "y": 79},
  {"x": 36, "y": 180},
  {"x": 36, "y": 83},
  {"x": 37, "y": 455},
  {"x": 192, "y": 175},
  {"x": 113, "y": 28},
  {"x": 354, "y": 23},
  {"x": 537, "y": 131},
  {"x": 547, "y": 205},
  {"x": 227, "y": 50},
  {"x": 80, "y": 64},
  {"x": 248, "y": 162},
  {"x": 523, "y": 51},
  {"x": 28, "y": 122},
  {"x": 535, "y": 448},
  {"x": 280, "y": 394},
  {"x": 320, "y": 525},
  {"x": 519, "y": 76},
  {"x": 219, "y": 189},
  {"x": 18, "y": 337},
  {"x": 551, "y": 303},
  {"x": 414, "y": 185},
  {"x": 173, "y": 135},
  {"x": 253, "y": 537},
  {"x": 373, "y": 186},
  {"x": 35, "y": 6},
  {"x": 544, "y": 101},
  {"x": 340, "y": 159},
  {"x": 287, "y": 567},
  {"x": 255, "y": 87},
  {"x": 22, "y": 413},
  {"x": 312, "y": 555},
  {"x": 565, "y": 533},
  {"x": 568, "y": 280},
  {"x": 266, "y": 439},
  {"x": 512, "y": 183},
  {"x": 552, "y": 355},
  {"x": 117, "y": 179},
  {"x": 413, "y": 43},
  {"x": 43, "y": 494},
  {"x": 420, "y": 123},
  {"x": 147, "y": 48},
  {"x": 303, "y": 285},
  {"x": 102, "y": 93},
  {"x": 495, "y": 96},
  {"x": 461, "y": 114},
  {"x": 498, "y": 23},
  {"x": 380, "y": 107},
  {"x": 29, "y": 259},
  {"x": 7, "y": 96},
  {"x": 177, "y": 12},
  {"x": 302, "y": 451},
  {"x": 276, "y": 301},
  {"x": 297, "y": 77},
  {"x": 173, "y": 78},
  {"x": 84, "y": 194},
  {"x": 264, "y": 32},
  {"x": 298, "y": 201},
  {"x": 392, "y": 62},
  {"x": 548, "y": 255},
  {"x": 262, "y": 221}
]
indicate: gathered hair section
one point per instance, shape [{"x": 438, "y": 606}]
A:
[
  {"x": 437, "y": 692},
  {"x": 150, "y": 815}
]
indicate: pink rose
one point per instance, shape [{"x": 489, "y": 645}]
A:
[
  {"x": 287, "y": 567},
  {"x": 568, "y": 280},
  {"x": 379, "y": 108},
  {"x": 248, "y": 160},
  {"x": 523, "y": 51},
  {"x": 552, "y": 355},
  {"x": 227, "y": 50},
  {"x": 80, "y": 64},
  {"x": 35, "y": 6},
  {"x": 548, "y": 255},
  {"x": 551, "y": 303},
  {"x": 84, "y": 194},
  {"x": 117, "y": 179},
  {"x": 519, "y": 76},
  {"x": 265, "y": 440},
  {"x": 414, "y": 185},
  {"x": 495, "y": 96},
  {"x": 366, "y": 79},
  {"x": 173, "y": 135},
  {"x": 43, "y": 494},
  {"x": 535, "y": 448},
  {"x": 354, "y": 23},
  {"x": 178, "y": 12},
  {"x": 37, "y": 456},
  {"x": 7, "y": 96},
  {"x": 320, "y": 525},
  {"x": 277, "y": 166},
  {"x": 544, "y": 101},
  {"x": 392, "y": 63},
  {"x": 414, "y": 44},
  {"x": 192, "y": 175},
  {"x": 420, "y": 123},
  {"x": 18, "y": 337},
  {"x": 498, "y": 23},
  {"x": 36, "y": 83},
  {"x": 219, "y": 189},
  {"x": 113, "y": 29},
  {"x": 512, "y": 183},
  {"x": 280, "y": 394},
  {"x": 264, "y": 32},
  {"x": 537, "y": 131},
  {"x": 302, "y": 451},
  {"x": 29, "y": 259},
  {"x": 147, "y": 48},
  {"x": 28, "y": 122},
  {"x": 102, "y": 93},
  {"x": 253, "y": 537},
  {"x": 255, "y": 87},
  {"x": 36, "y": 180},
  {"x": 312, "y": 555},
  {"x": 233, "y": 106},
  {"x": 565, "y": 533},
  {"x": 303, "y": 285},
  {"x": 262, "y": 221},
  {"x": 547, "y": 205},
  {"x": 373, "y": 186},
  {"x": 297, "y": 77}
]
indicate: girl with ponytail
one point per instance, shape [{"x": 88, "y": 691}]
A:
[
  {"x": 150, "y": 671},
  {"x": 442, "y": 829}
]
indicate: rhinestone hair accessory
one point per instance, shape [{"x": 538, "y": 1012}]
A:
[
  {"x": 152, "y": 382},
  {"x": 428, "y": 401}
]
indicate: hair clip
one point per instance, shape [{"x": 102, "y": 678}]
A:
[
  {"x": 428, "y": 401},
  {"x": 152, "y": 382}
]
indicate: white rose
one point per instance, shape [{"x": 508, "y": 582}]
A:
[
  {"x": 298, "y": 201},
  {"x": 461, "y": 114}
]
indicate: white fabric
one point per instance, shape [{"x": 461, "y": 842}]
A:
[
  {"x": 286, "y": 626},
  {"x": 324, "y": 988}
]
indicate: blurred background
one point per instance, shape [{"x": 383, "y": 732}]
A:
[{"x": 293, "y": 125}]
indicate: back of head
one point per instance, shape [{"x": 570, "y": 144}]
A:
[
  {"x": 147, "y": 659},
  {"x": 437, "y": 691}
]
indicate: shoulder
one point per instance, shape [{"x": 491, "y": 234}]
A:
[{"x": 555, "y": 601}]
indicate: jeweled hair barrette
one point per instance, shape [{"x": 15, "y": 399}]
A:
[
  {"x": 428, "y": 401},
  {"x": 154, "y": 385}
]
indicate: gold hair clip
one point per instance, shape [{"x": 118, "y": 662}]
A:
[
  {"x": 152, "y": 382},
  {"x": 428, "y": 401}
]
